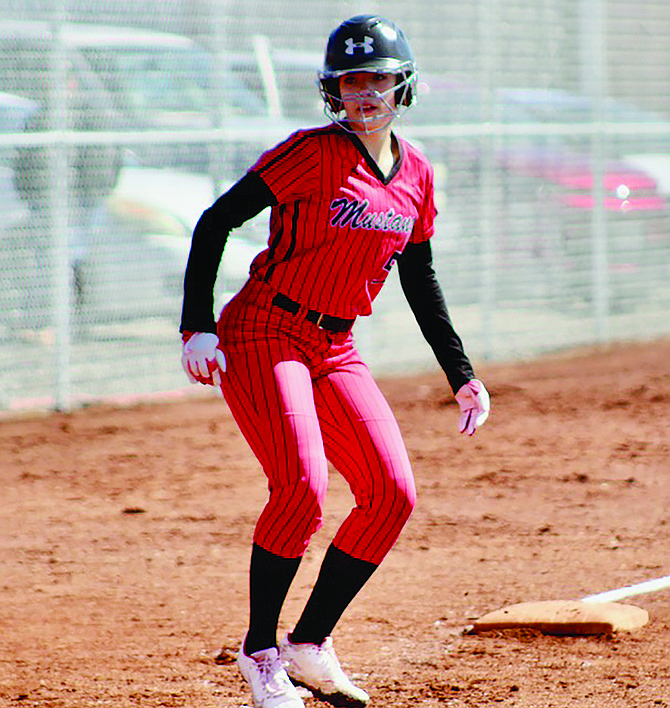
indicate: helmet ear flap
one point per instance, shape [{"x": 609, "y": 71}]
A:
[{"x": 330, "y": 90}]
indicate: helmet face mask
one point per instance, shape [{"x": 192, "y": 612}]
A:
[
  {"x": 368, "y": 43},
  {"x": 392, "y": 102}
]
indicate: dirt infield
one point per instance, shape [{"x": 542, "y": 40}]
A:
[{"x": 125, "y": 540}]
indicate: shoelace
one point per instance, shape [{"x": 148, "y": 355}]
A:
[{"x": 273, "y": 672}]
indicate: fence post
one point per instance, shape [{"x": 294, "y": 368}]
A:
[
  {"x": 488, "y": 188},
  {"x": 594, "y": 77},
  {"x": 59, "y": 209}
]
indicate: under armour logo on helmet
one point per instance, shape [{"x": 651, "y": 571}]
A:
[{"x": 366, "y": 45}]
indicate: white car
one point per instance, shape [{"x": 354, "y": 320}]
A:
[
  {"x": 166, "y": 205},
  {"x": 129, "y": 253}
]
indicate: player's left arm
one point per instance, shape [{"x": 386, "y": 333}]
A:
[{"x": 426, "y": 299}]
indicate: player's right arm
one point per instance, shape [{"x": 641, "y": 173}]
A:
[
  {"x": 202, "y": 359},
  {"x": 241, "y": 202}
]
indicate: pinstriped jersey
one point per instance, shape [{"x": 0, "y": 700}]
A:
[{"x": 339, "y": 223}]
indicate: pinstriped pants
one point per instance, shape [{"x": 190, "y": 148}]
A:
[{"x": 302, "y": 397}]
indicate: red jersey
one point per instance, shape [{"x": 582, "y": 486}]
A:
[{"x": 339, "y": 223}]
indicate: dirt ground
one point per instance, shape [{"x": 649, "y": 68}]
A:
[{"x": 125, "y": 536}]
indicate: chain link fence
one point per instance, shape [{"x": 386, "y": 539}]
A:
[{"x": 548, "y": 123}]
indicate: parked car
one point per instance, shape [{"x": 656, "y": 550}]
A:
[
  {"x": 166, "y": 205},
  {"x": 167, "y": 82},
  {"x": 541, "y": 191},
  {"x": 128, "y": 254},
  {"x": 638, "y": 137},
  {"x": 159, "y": 82},
  {"x": 559, "y": 188}
]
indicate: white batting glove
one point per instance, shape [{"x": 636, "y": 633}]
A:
[
  {"x": 475, "y": 405},
  {"x": 202, "y": 360}
]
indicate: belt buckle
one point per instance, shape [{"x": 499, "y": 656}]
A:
[{"x": 318, "y": 319}]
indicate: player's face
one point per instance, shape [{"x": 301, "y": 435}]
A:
[{"x": 369, "y": 100}]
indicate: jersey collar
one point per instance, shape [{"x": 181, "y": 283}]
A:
[{"x": 384, "y": 179}]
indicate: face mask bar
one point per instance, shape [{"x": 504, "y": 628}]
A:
[
  {"x": 381, "y": 119},
  {"x": 333, "y": 106}
]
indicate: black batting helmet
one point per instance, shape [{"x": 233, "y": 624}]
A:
[{"x": 367, "y": 43}]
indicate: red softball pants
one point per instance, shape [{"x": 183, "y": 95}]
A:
[{"x": 302, "y": 397}]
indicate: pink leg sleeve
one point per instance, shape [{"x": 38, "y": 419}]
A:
[
  {"x": 270, "y": 395},
  {"x": 363, "y": 441}
]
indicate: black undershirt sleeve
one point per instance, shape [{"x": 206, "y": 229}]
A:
[
  {"x": 424, "y": 295},
  {"x": 241, "y": 202}
]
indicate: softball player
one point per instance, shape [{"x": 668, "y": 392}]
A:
[{"x": 349, "y": 200}]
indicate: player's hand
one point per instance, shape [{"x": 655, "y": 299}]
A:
[
  {"x": 475, "y": 405},
  {"x": 202, "y": 360}
]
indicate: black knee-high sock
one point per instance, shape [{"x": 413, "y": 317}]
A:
[
  {"x": 340, "y": 578},
  {"x": 270, "y": 577}
]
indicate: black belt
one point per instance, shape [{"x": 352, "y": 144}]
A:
[{"x": 332, "y": 324}]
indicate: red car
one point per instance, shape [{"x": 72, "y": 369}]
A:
[
  {"x": 540, "y": 194},
  {"x": 558, "y": 188}
]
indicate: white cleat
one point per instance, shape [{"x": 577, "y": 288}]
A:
[
  {"x": 317, "y": 668},
  {"x": 270, "y": 685}
]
